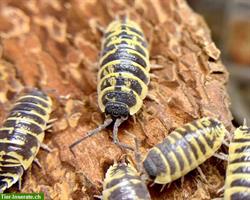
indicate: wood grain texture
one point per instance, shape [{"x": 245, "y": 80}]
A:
[{"x": 54, "y": 44}]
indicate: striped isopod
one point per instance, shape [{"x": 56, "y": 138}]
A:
[
  {"x": 237, "y": 185},
  {"x": 122, "y": 181},
  {"x": 123, "y": 77},
  {"x": 184, "y": 149},
  {"x": 21, "y": 135}
]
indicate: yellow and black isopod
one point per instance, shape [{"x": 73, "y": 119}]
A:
[
  {"x": 21, "y": 135},
  {"x": 184, "y": 149},
  {"x": 122, "y": 181},
  {"x": 123, "y": 76},
  {"x": 237, "y": 184}
]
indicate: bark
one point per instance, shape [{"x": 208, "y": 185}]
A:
[{"x": 54, "y": 44}]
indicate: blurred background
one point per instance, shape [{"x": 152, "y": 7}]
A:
[{"x": 229, "y": 21}]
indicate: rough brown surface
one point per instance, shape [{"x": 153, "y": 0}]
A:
[{"x": 53, "y": 44}]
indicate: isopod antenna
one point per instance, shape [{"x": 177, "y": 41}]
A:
[{"x": 105, "y": 124}]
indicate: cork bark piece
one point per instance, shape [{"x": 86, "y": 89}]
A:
[{"x": 53, "y": 44}]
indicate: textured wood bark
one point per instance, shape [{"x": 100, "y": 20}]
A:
[{"x": 54, "y": 44}]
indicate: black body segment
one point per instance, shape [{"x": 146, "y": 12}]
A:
[
  {"x": 21, "y": 135},
  {"x": 125, "y": 66}
]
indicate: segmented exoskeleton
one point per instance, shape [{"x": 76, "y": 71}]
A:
[
  {"x": 123, "y": 76},
  {"x": 184, "y": 149},
  {"x": 237, "y": 185},
  {"x": 21, "y": 135},
  {"x": 122, "y": 181}
]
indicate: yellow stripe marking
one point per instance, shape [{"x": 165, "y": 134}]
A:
[
  {"x": 127, "y": 76},
  {"x": 7, "y": 174},
  {"x": 9, "y": 181},
  {"x": 43, "y": 117},
  {"x": 26, "y": 120},
  {"x": 235, "y": 146},
  {"x": 110, "y": 68},
  {"x": 230, "y": 176},
  {"x": 163, "y": 178},
  {"x": 107, "y": 192},
  {"x": 116, "y": 62},
  {"x": 208, "y": 151},
  {"x": 171, "y": 154},
  {"x": 39, "y": 137},
  {"x": 130, "y": 42},
  {"x": 14, "y": 161},
  {"x": 234, "y": 156},
  {"x": 233, "y": 190},
  {"x": 187, "y": 167},
  {"x": 12, "y": 141},
  {"x": 33, "y": 109},
  {"x": 129, "y": 51},
  {"x": 25, "y": 162},
  {"x": 48, "y": 102},
  {"x": 10, "y": 164},
  {"x": 115, "y": 33},
  {"x": 233, "y": 166},
  {"x": 234, "y": 177},
  {"x": 119, "y": 173}
]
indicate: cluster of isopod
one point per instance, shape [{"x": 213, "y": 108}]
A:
[{"x": 123, "y": 81}]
